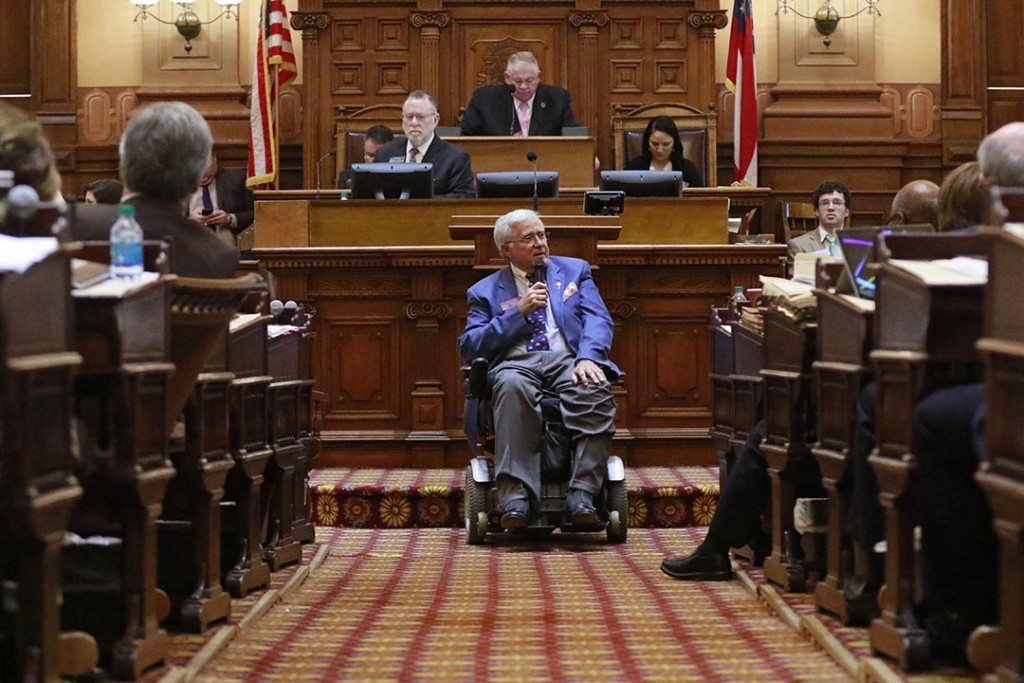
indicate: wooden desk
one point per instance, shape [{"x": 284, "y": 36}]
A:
[
  {"x": 1002, "y": 472},
  {"x": 788, "y": 415},
  {"x": 841, "y": 369},
  {"x": 285, "y": 221},
  {"x": 722, "y": 397},
  {"x": 924, "y": 340},
  {"x": 572, "y": 157},
  {"x": 37, "y": 483}
]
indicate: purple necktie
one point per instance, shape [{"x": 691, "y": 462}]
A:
[
  {"x": 538, "y": 321},
  {"x": 207, "y": 200}
]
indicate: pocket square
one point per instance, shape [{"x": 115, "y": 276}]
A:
[{"x": 570, "y": 289}]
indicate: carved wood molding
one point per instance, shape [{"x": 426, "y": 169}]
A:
[
  {"x": 715, "y": 19},
  {"x": 580, "y": 19},
  {"x": 414, "y": 310},
  {"x": 309, "y": 20},
  {"x": 421, "y": 19},
  {"x": 621, "y": 309}
]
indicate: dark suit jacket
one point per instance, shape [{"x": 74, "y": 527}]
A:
[
  {"x": 490, "y": 111},
  {"x": 452, "y": 172},
  {"x": 494, "y": 324},
  {"x": 691, "y": 174},
  {"x": 196, "y": 250},
  {"x": 233, "y": 196}
]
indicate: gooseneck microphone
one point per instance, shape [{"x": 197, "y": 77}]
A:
[
  {"x": 332, "y": 153},
  {"x": 532, "y": 156}
]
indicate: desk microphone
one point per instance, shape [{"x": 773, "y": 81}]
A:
[
  {"x": 332, "y": 153},
  {"x": 532, "y": 156},
  {"x": 22, "y": 203}
]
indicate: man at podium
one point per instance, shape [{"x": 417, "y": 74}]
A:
[{"x": 522, "y": 107}]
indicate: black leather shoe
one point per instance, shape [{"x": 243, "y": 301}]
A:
[
  {"x": 696, "y": 567},
  {"x": 514, "y": 516},
  {"x": 581, "y": 508}
]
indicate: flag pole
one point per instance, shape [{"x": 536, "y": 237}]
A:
[{"x": 276, "y": 121}]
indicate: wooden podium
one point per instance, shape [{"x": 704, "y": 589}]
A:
[
  {"x": 574, "y": 236},
  {"x": 572, "y": 157}
]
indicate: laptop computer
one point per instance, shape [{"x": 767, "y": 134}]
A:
[{"x": 860, "y": 253}]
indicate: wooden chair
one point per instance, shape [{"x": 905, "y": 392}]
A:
[
  {"x": 350, "y": 132},
  {"x": 797, "y": 219},
  {"x": 697, "y": 131}
]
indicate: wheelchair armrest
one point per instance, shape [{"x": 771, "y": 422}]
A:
[{"x": 476, "y": 379}]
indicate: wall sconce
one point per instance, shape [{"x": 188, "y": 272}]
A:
[
  {"x": 826, "y": 19},
  {"x": 187, "y": 22}
]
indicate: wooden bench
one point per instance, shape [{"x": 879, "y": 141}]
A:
[{"x": 723, "y": 363}]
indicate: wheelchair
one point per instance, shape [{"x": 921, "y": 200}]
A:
[{"x": 548, "y": 513}]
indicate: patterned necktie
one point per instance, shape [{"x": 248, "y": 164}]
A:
[
  {"x": 830, "y": 240},
  {"x": 538, "y": 321},
  {"x": 523, "y": 112},
  {"x": 414, "y": 155},
  {"x": 207, "y": 200}
]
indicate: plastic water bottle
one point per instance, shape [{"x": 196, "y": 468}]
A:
[
  {"x": 126, "y": 245},
  {"x": 737, "y": 301}
]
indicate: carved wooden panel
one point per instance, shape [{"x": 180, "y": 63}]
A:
[
  {"x": 15, "y": 57},
  {"x": 1005, "y": 43},
  {"x": 484, "y": 47},
  {"x": 672, "y": 368},
  {"x": 670, "y": 76},
  {"x": 348, "y": 36},
  {"x": 626, "y": 34},
  {"x": 626, "y": 76},
  {"x": 361, "y": 366}
]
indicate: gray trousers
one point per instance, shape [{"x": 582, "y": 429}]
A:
[{"x": 588, "y": 413}]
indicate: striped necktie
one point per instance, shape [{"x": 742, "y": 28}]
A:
[{"x": 414, "y": 155}]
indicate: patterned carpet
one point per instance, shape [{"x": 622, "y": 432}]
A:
[
  {"x": 417, "y": 604},
  {"x": 664, "y": 497}
]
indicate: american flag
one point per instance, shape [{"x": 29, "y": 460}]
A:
[
  {"x": 741, "y": 79},
  {"x": 274, "y": 53}
]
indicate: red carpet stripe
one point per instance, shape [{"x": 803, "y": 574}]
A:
[
  {"x": 612, "y": 622},
  {"x": 483, "y": 644},
  {"x": 419, "y": 640},
  {"x": 552, "y": 647}
]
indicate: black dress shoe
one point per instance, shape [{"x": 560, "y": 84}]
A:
[
  {"x": 695, "y": 567},
  {"x": 581, "y": 508},
  {"x": 514, "y": 516}
]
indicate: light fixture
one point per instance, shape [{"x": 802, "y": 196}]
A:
[
  {"x": 826, "y": 19},
  {"x": 187, "y": 22}
]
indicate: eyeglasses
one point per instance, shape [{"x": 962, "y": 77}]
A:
[
  {"x": 524, "y": 81},
  {"x": 418, "y": 117},
  {"x": 531, "y": 238},
  {"x": 838, "y": 203}
]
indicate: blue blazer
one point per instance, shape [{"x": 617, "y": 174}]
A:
[
  {"x": 452, "y": 171},
  {"x": 494, "y": 324}
]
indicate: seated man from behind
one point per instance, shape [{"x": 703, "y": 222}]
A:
[
  {"x": 376, "y": 137},
  {"x": 832, "y": 202},
  {"x": 523, "y": 106},
  {"x": 163, "y": 150},
  {"x": 222, "y": 201},
  {"x": 452, "y": 170},
  {"x": 551, "y": 336},
  {"x": 916, "y": 203},
  {"x": 103, "y": 191}
]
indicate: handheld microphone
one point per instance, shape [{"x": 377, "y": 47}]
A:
[
  {"x": 22, "y": 202},
  {"x": 532, "y": 157},
  {"x": 540, "y": 271},
  {"x": 332, "y": 153}
]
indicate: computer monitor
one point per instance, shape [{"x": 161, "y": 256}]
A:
[
  {"x": 516, "y": 184},
  {"x": 604, "y": 202},
  {"x": 392, "y": 181},
  {"x": 644, "y": 183},
  {"x": 860, "y": 248}
]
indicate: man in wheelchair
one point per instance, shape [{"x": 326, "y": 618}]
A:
[{"x": 545, "y": 331}]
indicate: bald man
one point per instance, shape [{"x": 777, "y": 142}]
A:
[{"x": 917, "y": 202}]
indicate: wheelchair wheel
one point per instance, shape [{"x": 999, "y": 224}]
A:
[
  {"x": 618, "y": 512},
  {"x": 476, "y": 509}
]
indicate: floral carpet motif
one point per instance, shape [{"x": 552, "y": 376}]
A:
[{"x": 662, "y": 497}]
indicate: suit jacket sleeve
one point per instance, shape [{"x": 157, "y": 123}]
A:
[
  {"x": 234, "y": 197},
  {"x": 490, "y": 332},
  {"x": 691, "y": 174},
  {"x": 596, "y": 339},
  {"x": 489, "y": 112},
  {"x": 453, "y": 172}
]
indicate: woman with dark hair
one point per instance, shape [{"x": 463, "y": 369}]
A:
[{"x": 663, "y": 151}]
